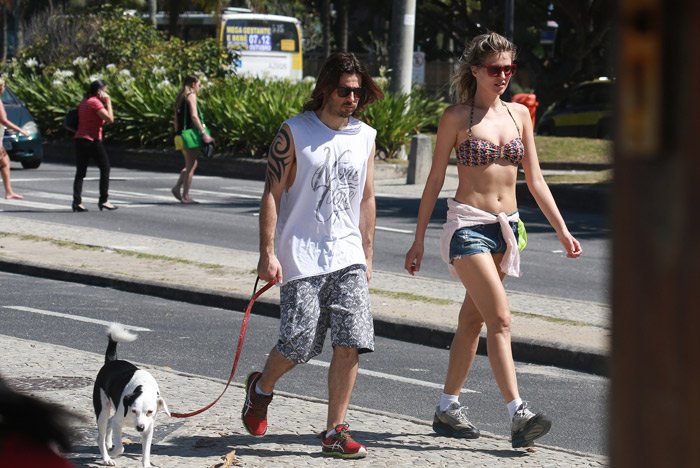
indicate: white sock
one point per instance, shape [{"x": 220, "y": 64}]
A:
[
  {"x": 513, "y": 406},
  {"x": 260, "y": 392},
  {"x": 330, "y": 433},
  {"x": 446, "y": 400}
]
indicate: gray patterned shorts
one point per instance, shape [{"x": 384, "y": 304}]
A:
[{"x": 308, "y": 306}]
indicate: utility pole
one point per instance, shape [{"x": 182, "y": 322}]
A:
[
  {"x": 152, "y": 7},
  {"x": 403, "y": 22}
]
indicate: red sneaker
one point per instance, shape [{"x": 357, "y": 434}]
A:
[
  {"x": 341, "y": 444},
  {"x": 254, "y": 415}
]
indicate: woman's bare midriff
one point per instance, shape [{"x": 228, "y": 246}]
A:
[{"x": 489, "y": 188}]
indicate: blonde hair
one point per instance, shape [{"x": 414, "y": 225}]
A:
[{"x": 463, "y": 83}]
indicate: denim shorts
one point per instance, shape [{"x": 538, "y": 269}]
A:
[
  {"x": 482, "y": 238},
  {"x": 310, "y": 306}
]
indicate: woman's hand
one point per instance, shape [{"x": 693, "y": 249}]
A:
[
  {"x": 414, "y": 257},
  {"x": 206, "y": 138},
  {"x": 572, "y": 246},
  {"x": 102, "y": 96}
]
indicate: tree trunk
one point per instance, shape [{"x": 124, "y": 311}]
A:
[
  {"x": 344, "y": 12},
  {"x": 4, "y": 35},
  {"x": 326, "y": 26}
]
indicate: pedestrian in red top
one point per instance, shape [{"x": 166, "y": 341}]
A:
[
  {"x": 93, "y": 112},
  {"x": 4, "y": 158}
]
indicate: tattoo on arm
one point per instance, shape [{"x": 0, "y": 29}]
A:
[{"x": 278, "y": 160}]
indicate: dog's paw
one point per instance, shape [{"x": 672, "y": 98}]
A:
[
  {"x": 116, "y": 451},
  {"x": 108, "y": 462}
]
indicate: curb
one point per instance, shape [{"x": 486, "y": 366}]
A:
[{"x": 533, "y": 351}]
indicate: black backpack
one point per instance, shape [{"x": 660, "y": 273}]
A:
[{"x": 70, "y": 121}]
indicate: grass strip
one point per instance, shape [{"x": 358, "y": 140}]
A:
[{"x": 128, "y": 253}]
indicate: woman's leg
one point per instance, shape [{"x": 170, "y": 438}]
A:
[
  {"x": 190, "y": 166},
  {"x": 484, "y": 280},
  {"x": 5, "y": 173},
  {"x": 82, "y": 156},
  {"x": 463, "y": 348},
  {"x": 102, "y": 160}
]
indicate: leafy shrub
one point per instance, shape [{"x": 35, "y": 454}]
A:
[{"x": 398, "y": 116}]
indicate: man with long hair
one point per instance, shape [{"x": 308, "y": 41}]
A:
[{"x": 319, "y": 204}]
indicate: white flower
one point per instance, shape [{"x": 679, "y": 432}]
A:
[
  {"x": 125, "y": 72},
  {"x": 95, "y": 77},
  {"x": 31, "y": 63},
  {"x": 61, "y": 74},
  {"x": 57, "y": 83},
  {"x": 158, "y": 70},
  {"x": 80, "y": 61},
  {"x": 163, "y": 84},
  {"x": 111, "y": 66}
]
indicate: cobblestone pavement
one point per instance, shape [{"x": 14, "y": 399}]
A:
[{"x": 65, "y": 376}]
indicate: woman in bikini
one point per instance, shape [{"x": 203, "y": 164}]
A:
[{"x": 491, "y": 139}]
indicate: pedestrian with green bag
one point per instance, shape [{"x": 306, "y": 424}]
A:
[{"x": 190, "y": 135}]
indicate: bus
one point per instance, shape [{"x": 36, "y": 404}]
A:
[{"x": 268, "y": 46}]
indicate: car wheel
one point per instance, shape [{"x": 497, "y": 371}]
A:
[
  {"x": 31, "y": 164},
  {"x": 545, "y": 130}
]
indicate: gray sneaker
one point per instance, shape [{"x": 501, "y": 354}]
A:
[
  {"x": 453, "y": 422},
  {"x": 528, "y": 426}
]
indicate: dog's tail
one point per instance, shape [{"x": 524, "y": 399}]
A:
[{"x": 117, "y": 333}]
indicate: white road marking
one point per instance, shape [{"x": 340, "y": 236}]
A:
[
  {"x": 388, "y": 229},
  {"x": 72, "y": 317},
  {"x": 397, "y": 378}
]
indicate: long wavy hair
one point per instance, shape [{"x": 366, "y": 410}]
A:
[
  {"x": 463, "y": 83},
  {"x": 329, "y": 77}
]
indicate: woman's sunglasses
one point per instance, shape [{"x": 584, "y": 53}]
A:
[
  {"x": 344, "y": 91},
  {"x": 508, "y": 70}
]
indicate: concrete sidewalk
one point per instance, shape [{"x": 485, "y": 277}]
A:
[{"x": 64, "y": 376}]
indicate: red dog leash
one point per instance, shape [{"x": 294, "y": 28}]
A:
[{"x": 238, "y": 351}]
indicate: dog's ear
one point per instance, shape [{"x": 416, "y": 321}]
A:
[
  {"x": 162, "y": 406},
  {"x": 131, "y": 398}
]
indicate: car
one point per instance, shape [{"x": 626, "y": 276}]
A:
[
  {"x": 25, "y": 150},
  {"x": 585, "y": 112}
]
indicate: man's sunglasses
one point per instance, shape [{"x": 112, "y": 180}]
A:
[
  {"x": 344, "y": 91},
  {"x": 508, "y": 70}
]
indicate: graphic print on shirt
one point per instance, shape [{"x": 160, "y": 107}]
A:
[{"x": 336, "y": 183}]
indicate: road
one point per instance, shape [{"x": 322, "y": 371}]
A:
[
  {"x": 228, "y": 210},
  {"x": 398, "y": 378}
]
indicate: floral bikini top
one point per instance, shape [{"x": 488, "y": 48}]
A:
[{"x": 478, "y": 152}]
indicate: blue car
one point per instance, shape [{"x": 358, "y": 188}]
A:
[{"x": 25, "y": 150}]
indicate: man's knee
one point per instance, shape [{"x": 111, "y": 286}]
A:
[{"x": 349, "y": 355}]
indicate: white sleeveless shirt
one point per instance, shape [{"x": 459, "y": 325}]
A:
[{"x": 318, "y": 229}]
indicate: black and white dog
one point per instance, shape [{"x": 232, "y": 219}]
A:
[{"x": 127, "y": 389}]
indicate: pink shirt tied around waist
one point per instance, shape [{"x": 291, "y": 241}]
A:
[{"x": 460, "y": 216}]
